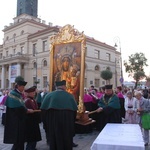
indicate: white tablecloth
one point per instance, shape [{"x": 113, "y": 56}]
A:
[{"x": 119, "y": 137}]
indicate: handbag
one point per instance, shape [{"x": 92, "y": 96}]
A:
[{"x": 146, "y": 121}]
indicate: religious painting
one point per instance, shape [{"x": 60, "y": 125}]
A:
[{"x": 67, "y": 59}]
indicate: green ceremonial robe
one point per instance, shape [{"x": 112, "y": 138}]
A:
[
  {"x": 15, "y": 118},
  {"x": 111, "y": 111},
  {"x": 60, "y": 112}
]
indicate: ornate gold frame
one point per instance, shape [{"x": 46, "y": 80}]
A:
[{"x": 68, "y": 34}]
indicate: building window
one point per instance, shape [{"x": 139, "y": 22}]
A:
[
  {"x": 7, "y": 38},
  {"x": 108, "y": 68},
  {"x": 44, "y": 46},
  {"x": 14, "y": 37},
  {"x": 96, "y": 82},
  {"x": 22, "y": 66},
  {"x": 34, "y": 80},
  {"x": 6, "y": 53},
  {"x": 44, "y": 63},
  {"x": 22, "y": 32},
  {"x": 34, "y": 49},
  {"x": 45, "y": 81},
  {"x": 1, "y": 55},
  {"x": 107, "y": 56},
  {"x": 34, "y": 65},
  {"x": 14, "y": 51},
  {"x": 96, "y": 68},
  {"x": 22, "y": 49},
  {"x": 31, "y": 11},
  {"x": 103, "y": 82},
  {"x": 20, "y": 11},
  {"x": 96, "y": 53}
]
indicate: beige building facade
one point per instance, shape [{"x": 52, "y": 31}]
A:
[{"x": 25, "y": 51}]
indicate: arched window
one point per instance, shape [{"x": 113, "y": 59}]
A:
[
  {"x": 44, "y": 63},
  {"x": 97, "y": 68}
]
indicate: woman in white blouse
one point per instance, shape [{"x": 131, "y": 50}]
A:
[{"x": 130, "y": 108}]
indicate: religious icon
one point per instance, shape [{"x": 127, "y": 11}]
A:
[{"x": 67, "y": 63}]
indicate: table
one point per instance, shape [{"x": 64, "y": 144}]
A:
[{"x": 119, "y": 137}]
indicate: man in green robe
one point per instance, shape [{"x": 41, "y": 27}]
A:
[
  {"x": 60, "y": 112},
  {"x": 109, "y": 108},
  {"x": 14, "y": 131}
]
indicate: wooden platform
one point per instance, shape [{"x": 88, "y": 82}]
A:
[{"x": 84, "y": 127}]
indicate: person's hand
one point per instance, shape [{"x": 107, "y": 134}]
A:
[
  {"x": 30, "y": 111},
  {"x": 99, "y": 109}
]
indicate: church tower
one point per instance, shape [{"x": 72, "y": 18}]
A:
[{"x": 27, "y": 7}]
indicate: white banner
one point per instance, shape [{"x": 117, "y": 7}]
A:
[{"x": 13, "y": 73}]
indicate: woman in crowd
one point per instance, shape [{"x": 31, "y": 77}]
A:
[{"x": 130, "y": 108}]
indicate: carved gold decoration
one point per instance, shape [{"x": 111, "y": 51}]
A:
[{"x": 68, "y": 34}]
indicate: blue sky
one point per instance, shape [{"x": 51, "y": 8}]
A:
[{"x": 102, "y": 19}]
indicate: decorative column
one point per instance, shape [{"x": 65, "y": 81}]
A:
[
  {"x": 9, "y": 76},
  {"x": 18, "y": 69},
  {"x": 3, "y": 77}
]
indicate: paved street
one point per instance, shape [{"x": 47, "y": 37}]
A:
[{"x": 84, "y": 141}]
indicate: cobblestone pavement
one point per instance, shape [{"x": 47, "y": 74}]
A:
[{"x": 84, "y": 141}]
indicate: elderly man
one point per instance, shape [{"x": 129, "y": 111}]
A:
[
  {"x": 60, "y": 112},
  {"x": 109, "y": 108},
  {"x": 142, "y": 106}
]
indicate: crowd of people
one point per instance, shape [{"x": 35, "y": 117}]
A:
[
  {"x": 23, "y": 109},
  {"x": 119, "y": 105}
]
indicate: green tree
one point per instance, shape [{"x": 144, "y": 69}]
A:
[
  {"x": 135, "y": 67},
  {"x": 106, "y": 74}
]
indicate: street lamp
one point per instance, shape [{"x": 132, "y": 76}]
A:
[
  {"x": 116, "y": 71},
  {"x": 117, "y": 40}
]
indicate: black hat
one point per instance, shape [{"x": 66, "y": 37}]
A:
[
  {"x": 31, "y": 89},
  {"x": 60, "y": 83},
  {"x": 20, "y": 81},
  {"x": 108, "y": 86}
]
